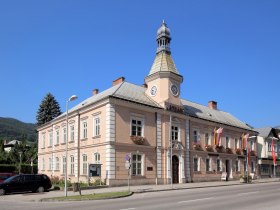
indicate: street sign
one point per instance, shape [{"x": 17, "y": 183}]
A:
[{"x": 127, "y": 157}]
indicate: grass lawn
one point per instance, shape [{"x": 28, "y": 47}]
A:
[{"x": 90, "y": 196}]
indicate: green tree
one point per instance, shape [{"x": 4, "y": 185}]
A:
[{"x": 48, "y": 110}]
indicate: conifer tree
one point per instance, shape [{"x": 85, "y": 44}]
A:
[{"x": 48, "y": 110}]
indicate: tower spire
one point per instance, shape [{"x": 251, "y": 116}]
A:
[{"x": 163, "y": 38}]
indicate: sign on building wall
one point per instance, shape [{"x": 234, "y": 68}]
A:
[{"x": 94, "y": 170}]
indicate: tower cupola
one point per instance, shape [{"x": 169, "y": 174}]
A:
[{"x": 163, "y": 38}]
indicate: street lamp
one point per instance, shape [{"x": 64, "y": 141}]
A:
[{"x": 72, "y": 98}]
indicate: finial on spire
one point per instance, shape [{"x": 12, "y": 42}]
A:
[
  {"x": 163, "y": 21},
  {"x": 163, "y": 38}
]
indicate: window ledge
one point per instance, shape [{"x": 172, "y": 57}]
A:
[
  {"x": 62, "y": 143},
  {"x": 42, "y": 147},
  {"x": 96, "y": 137},
  {"x": 56, "y": 144},
  {"x": 197, "y": 172},
  {"x": 70, "y": 141},
  {"x": 49, "y": 146},
  {"x": 84, "y": 139}
]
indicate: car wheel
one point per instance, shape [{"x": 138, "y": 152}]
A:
[
  {"x": 40, "y": 189},
  {"x": 2, "y": 192}
]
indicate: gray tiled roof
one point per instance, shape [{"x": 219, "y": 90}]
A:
[
  {"x": 135, "y": 93},
  {"x": 264, "y": 132},
  {"x": 204, "y": 112}
]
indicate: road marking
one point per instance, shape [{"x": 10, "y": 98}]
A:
[
  {"x": 240, "y": 194},
  {"x": 128, "y": 209},
  {"x": 196, "y": 200}
]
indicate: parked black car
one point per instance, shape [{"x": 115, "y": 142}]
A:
[{"x": 26, "y": 183}]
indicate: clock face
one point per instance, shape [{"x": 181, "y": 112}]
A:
[
  {"x": 153, "y": 90},
  {"x": 174, "y": 90}
]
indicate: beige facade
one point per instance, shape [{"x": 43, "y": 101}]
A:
[{"x": 166, "y": 138}]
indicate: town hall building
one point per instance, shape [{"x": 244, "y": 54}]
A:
[{"x": 163, "y": 137}]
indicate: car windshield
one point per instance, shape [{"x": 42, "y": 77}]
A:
[{"x": 10, "y": 179}]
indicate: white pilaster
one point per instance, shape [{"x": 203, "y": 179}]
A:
[
  {"x": 159, "y": 143},
  {"x": 110, "y": 137},
  {"x": 187, "y": 143}
]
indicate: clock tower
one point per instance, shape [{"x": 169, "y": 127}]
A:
[{"x": 163, "y": 81}]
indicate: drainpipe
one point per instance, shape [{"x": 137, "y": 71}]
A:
[{"x": 156, "y": 150}]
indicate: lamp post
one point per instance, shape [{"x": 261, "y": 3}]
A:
[{"x": 72, "y": 98}]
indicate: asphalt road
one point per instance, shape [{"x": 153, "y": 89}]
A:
[{"x": 252, "y": 196}]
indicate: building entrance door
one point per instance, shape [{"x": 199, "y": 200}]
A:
[
  {"x": 227, "y": 169},
  {"x": 175, "y": 169}
]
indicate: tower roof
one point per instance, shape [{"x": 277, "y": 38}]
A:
[{"x": 163, "y": 61}]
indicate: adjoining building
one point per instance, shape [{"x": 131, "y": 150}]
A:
[
  {"x": 152, "y": 127},
  {"x": 268, "y": 143}
]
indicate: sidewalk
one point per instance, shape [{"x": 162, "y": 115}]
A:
[{"x": 36, "y": 197}]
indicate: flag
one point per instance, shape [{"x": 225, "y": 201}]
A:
[
  {"x": 244, "y": 139},
  {"x": 273, "y": 153},
  {"x": 219, "y": 133},
  {"x": 215, "y": 136},
  {"x": 248, "y": 155}
]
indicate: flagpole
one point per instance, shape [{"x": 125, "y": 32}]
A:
[{"x": 247, "y": 171}]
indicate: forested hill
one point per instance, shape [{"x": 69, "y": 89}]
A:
[{"x": 11, "y": 129}]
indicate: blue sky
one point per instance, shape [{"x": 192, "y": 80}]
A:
[{"x": 227, "y": 50}]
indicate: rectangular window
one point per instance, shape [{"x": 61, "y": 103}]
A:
[
  {"x": 96, "y": 157},
  {"x": 235, "y": 143},
  {"x": 137, "y": 165},
  {"x": 174, "y": 133},
  {"x": 72, "y": 132},
  {"x": 84, "y": 131},
  {"x": 252, "y": 145},
  {"x": 208, "y": 164},
  {"x": 269, "y": 147},
  {"x": 72, "y": 165},
  {"x": 218, "y": 165},
  {"x": 195, "y": 136},
  {"x": 207, "y": 140},
  {"x": 50, "y": 138},
  {"x": 240, "y": 143},
  {"x": 195, "y": 164},
  {"x": 237, "y": 167},
  {"x": 64, "y": 165},
  {"x": 57, "y": 137},
  {"x": 57, "y": 163},
  {"x": 96, "y": 126},
  {"x": 227, "y": 142},
  {"x": 50, "y": 164},
  {"x": 136, "y": 127},
  {"x": 85, "y": 165},
  {"x": 64, "y": 135}
]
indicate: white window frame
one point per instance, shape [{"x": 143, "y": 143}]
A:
[
  {"x": 50, "y": 164},
  {"x": 227, "y": 142},
  {"x": 198, "y": 164},
  {"x": 136, "y": 162},
  {"x": 72, "y": 133},
  {"x": 43, "y": 140},
  {"x": 132, "y": 118},
  {"x": 96, "y": 157},
  {"x": 72, "y": 164},
  {"x": 175, "y": 132},
  {"x": 85, "y": 164},
  {"x": 237, "y": 167},
  {"x": 210, "y": 163},
  {"x": 84, "y": 130},
  {"x": 57, "y": 163},
  {"x": 196, "y": 136},
  {"x": 96, "y": 125},
  {"x": 57, "y": 136},
  {"x": 207, "y": 139}
]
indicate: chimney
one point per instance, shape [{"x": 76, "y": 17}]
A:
[
  {"x": 145, "y": 85},
  {"x": 95, "y": 92},
  {"x": 118, "y": 81},
  {"x": 212, "y": 105}
]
